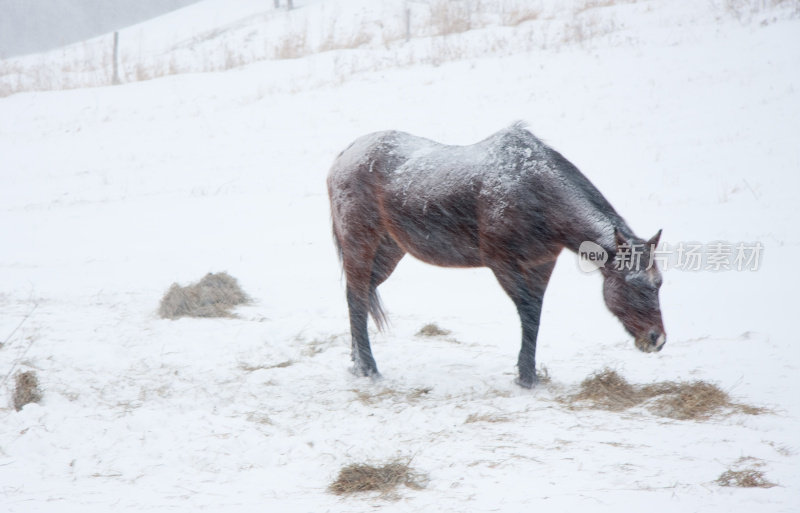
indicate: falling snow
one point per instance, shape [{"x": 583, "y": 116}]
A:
[{"x": 684, "y": 116}]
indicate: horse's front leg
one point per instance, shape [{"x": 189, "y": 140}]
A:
[
  {"x": 530, "y": 313},
  {"x": 530, "y": 310},
  {"x": 526, "y": 286}
]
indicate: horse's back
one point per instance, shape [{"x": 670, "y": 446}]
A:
[{"x": 447, "y": 205}]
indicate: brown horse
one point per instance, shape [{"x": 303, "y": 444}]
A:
[{"x": 509, "y": 203}]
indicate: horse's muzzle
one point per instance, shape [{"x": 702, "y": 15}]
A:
[{"x": 653, "y": 343}]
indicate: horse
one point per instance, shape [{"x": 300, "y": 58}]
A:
[{"x": 510, "y": 203}]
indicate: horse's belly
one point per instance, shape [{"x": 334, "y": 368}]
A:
[{"x": 441, "y": 233}]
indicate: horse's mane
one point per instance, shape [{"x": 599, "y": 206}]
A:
[
  {"x": 575, "y": 177},
  {"x": 522, "y": 129},
  {"x": 519, "y": 125}
]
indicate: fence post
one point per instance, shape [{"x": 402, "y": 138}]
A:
[
  {"x": 115, "y": 79},
  {"x": 408, "y": 23}
]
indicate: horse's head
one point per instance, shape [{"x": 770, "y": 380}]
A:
[{"x": 630, "y": 290}]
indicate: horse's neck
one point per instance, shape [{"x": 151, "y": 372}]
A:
[
  {"x": 587, "y": 222},
  {"x": 582, "y": 213}
]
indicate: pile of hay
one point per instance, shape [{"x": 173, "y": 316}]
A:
[
  {"x": 682, "y": 400},
  {"x": 432, "y": 330},
  {"x": 362, "y": 477},
  {"x": 26, "y": 389},
  {"x": 696, "y": 400},
  {"x": 607, "y": 390},
  {"x": 748, "y": 478},
  {"x": 213, "y": 296}
]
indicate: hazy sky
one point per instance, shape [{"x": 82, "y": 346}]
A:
[{"x": 28, "y": 26}]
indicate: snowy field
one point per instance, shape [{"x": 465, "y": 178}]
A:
[{"x": 685, "y": 116}]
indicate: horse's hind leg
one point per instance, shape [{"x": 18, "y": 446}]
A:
[
  {"x": 358, "y": 271},
  {"x": 386, "y": 259},
  {"x": 365, "y": 268}
]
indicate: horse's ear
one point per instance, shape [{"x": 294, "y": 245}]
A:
[
  {"x": 619, "y": 239},
  {"x": 653, "y": 242}
]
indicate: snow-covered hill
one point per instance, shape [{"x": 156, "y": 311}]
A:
[
  {"x": 344, "y": 37},
  {"x": 685, "y": 116}
]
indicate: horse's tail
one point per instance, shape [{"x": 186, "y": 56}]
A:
[
  {"x": 376, "y": 309},
  {"x": 338, "y": 245}
]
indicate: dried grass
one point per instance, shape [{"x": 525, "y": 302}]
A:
[
  {"x": 744, "y": 473},
  {"x": 432, "y": 330},
  {"x": 213, "y": 296},
  {"x": 598, "y": 4},
  {"x": 369, "y": 397},
  {"x": 475, "y": 417},
  {"x": 697, "y": 400},
  {"x": 317, "y": 345},
  {"x": 747, "y": 478},
  {"x": 26, "y": 389},
  {"x": 607, "y": 390},
  {"x": 744, "y": 9},
  {"x": 259, "y": 418},
  {"x": 543, "y": 375},
  {"x": 354, "y": 40},
  {"x": 417, "y": 393},
  {"x": 449, "y": 17},
  {"x": 681, "y": 400},
  {"x": 293, "y": 46},
  {"x": 520, "y": 13},
  {"x": 362, "y": 477},
  {"x": 252, "y": 368}
]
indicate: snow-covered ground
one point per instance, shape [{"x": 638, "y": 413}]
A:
[{"x": 685, "y": 116}]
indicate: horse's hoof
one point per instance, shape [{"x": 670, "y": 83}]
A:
[
  {"x": 527, "y": 383},
  {"x": 361, "y": 372}
]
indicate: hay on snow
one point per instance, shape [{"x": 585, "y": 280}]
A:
[
  {"x": 26, "y": 389},
  {"x": 361, "y": 477},
  {"x": 213, "y": 296},
  {"x": 682, "y": 400}
]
